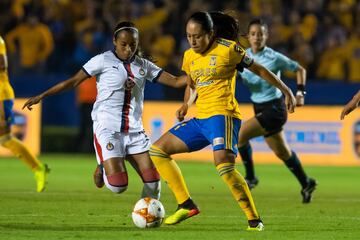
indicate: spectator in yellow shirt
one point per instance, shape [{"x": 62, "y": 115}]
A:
[
  {"x": 352, "y": 48},
  {"x": 31, "y": 42}
]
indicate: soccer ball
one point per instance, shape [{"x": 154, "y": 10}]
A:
[{"x": 148, "y": 213}]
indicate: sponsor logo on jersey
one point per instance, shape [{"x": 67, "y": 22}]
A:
[{"x": 202, "y": 84}]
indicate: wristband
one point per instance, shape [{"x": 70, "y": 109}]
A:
[{"x": 301, "y": 88}]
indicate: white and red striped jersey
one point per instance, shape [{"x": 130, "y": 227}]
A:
[{"x": 120, "y": 90}]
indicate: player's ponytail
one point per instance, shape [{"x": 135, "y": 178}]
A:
[
  {"x": 204, "y": 19},
  {"x": 225, "y": 26}
]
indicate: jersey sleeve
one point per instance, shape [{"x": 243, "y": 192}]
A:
[
  {"x": 238, "y": 56},
  {"x": 186, "y": 63},
  {"x": 153, "y": 71},
  {"x": 285, "y": 63},
  {"x": 94, "y": 66}
]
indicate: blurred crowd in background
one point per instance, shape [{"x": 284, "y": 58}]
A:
[
  {"x": 49, "y": 40},
  {"x": 59, "y": 36}
]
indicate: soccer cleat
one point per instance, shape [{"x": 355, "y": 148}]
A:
[
  {"x": 41, "y": 176},
  {"x": 255, "y": 226},
  {"x": 252, "y": 182},
  {"x": 180, "y": 215},
  {"x": 98, "y": 176},
  {"x": 307, "y": 191}
]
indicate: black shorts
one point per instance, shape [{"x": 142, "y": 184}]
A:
[{"x": 272, "y": 115}]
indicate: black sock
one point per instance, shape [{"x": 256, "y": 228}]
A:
[
  {"x": 254, "y": 223},
  {"x": 246, "y": 156},
  {"x": 294, "y": 165},
  {"x": 188, "y": 204}
]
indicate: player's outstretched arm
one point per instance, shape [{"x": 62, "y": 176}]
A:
[
  {"x": 275, "y": 81},
  {"x": 351, "y": 105},
  {"x": 72, "y": 82},
  {"x": 172, "y": 81}
]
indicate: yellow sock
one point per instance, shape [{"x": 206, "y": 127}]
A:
[
  {"x": 238, "y": 188},
  {"x": 170, "y": 172},
  {"x": 22, "y": 152}
]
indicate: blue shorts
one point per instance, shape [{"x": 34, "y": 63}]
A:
[
  {"x": 6, "y": 112},
  {"x": 219, "y": 130}
]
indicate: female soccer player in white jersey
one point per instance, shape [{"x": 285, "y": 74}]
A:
[
  {"x": 117, "y": 112},
  {"x": 270, "y": 109}
]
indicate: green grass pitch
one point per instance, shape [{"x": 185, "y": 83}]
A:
[{"x": 73, "y": 208}]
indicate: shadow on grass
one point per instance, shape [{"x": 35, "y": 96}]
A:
[{"x": 120, "y": 228}]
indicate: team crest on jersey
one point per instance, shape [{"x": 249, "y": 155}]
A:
[
  {"x": 212, "y": 61},
  {"x": 142, "y": 72},
  {"x": 109, "y": 146}
]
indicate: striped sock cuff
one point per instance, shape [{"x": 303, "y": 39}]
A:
[
  {"x": 156, "y": 151},
  {"x": 224, "y": 168}
]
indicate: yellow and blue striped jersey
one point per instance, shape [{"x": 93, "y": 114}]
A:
[
  {"x": 6, "y": 91},
  {"x": 214, "y": 75}
]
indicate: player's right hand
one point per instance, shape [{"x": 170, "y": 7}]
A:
[
  {"x": 32, "y": 101},
  {"x": 348, "y": 108},
  {"x": 181, "y": 112}
]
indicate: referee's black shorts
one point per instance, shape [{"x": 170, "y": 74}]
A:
[{"x": 272, "y": 115}]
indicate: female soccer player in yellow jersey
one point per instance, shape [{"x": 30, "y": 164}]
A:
[
  {"x": 6, "y": 118},
  {"x": 211, "y": 64}
]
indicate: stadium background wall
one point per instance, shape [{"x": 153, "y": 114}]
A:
[{"x": 314, "y": 132}]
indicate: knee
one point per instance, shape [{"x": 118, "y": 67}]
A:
[
  {"x": 242, "y": 141},
  {"x": 224, "y": 156},
  {"x": 117, "y": 182},
  {"x": 4, "y": 139},
  {"x": 150, "y": 175}
]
